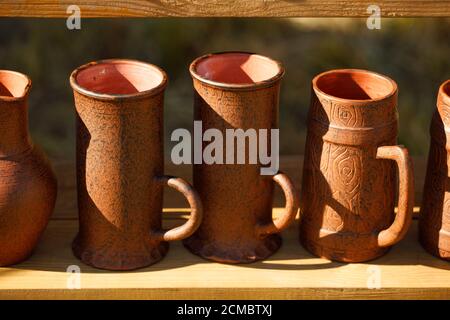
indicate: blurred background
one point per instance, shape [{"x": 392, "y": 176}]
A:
[{"x": 414, "y": 52}]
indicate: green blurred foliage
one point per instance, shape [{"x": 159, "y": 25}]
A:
[{"x": 414, "y": 52}]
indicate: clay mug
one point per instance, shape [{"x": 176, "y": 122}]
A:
[
  {"x": 27, "y": 182},
  {"x": 237, "y": 90},
  {"x": 434, "y": 225},
  {"x": 120, "y": 165},
  {"x": 349, "y": 176}
]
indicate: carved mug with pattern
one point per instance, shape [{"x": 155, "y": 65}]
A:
[
  {"x": 120, "y": 166},
  {"x": 434, "y": 226},
  {"x": 237, "y": 90},
  {"x": 349, "y": 177}
]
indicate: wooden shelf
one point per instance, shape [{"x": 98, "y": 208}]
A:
[
  {"x": 232, "y": 8},
  {"x": 407, "y": 272}
]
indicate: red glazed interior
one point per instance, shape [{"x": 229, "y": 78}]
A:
[
  {"x": 119, "y": 77},
  {"x": 355, "y": 85},
  {"x": 236, "y": 68},
  {"x": 13, "y": 84}
]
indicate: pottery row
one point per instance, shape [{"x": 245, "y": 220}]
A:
[{"x": 352, "y": 164}]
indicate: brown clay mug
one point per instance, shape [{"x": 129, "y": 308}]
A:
[
  {"x": 120, "y": 166},
  {"x": 27, "y": 181},
  {"x": 349, "y": 177},
  {"x": 237, "y": 90},
  {"x": 434, "y": 226}
]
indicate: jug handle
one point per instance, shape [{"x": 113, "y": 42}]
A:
[
  {"x": 290, "y": 210},
  {"x": 403, "y": 218},
  {"x": 192, "y": 224}
]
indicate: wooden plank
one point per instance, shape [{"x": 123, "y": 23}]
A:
[
  {"x": 66, "y": 204},
  {"x": 231, "y": 8},
  {"x": 226, "y": 294},
  {"x": 406, "y": 272}
]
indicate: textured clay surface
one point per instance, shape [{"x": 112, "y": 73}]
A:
[
  {"x": 349, "y": 185},
  {"x": 435, "y": 211},
  {"x": 237, "y": 225},
  {"x": 27, "y": 182},
  {"x": 120, "y": 174}
]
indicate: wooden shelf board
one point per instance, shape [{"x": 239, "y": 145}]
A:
[
  {"x": 233, "y": 8},
  {"x": 407, "y": 271}
]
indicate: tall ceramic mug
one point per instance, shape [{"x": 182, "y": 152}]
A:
[
  {"x": 120, "y": 166},
  {"x": 349, "y": 177},
  {"x": 232, "y": 91},
  {"x": 434, "y": 226}
]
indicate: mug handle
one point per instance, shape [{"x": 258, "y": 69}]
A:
[
  {"x": 192, "y": 224},
  {"x": 403, "y": 218},
  {"x": 290, "y": 209}
]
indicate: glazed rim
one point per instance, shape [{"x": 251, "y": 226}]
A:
[
  {"x": 354, "y": 85},
  {"x": 236, "y": 70},
  {"x": 137, "y": 79},
  {"x": 15, "y": 84},
  {"x": 445, "y": 91}
]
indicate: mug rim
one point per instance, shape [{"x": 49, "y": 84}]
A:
[
  {"x": 109, "y": 96},
  {"x": 392, "y": 93},
  {"x": 26, "y": 90},
  {"x": 443, "y": 93},
  {"x": 236, "y": 86}
]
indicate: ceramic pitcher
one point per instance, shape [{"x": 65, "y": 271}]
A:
[
  {"x": 27, "y": 181},
  {"x": 236, "y": 90},
  {"x": 434, "y": 226},
  {"x": 120, "y": 166},
  {"x": 349, "y": 177}
]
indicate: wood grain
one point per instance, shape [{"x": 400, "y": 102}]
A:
[
  {"x": 406, "y": 272},
  {"x": 232, "y": 8}
]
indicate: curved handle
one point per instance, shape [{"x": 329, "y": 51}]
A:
[
  {"x": 189, "y": 227},
  {"x": 290, "y": 210},
  {"x": 403, "y": 218}
]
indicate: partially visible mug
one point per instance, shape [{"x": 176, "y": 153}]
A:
[
  {"x": 28, "y": 185},
  {"x": 348, "y": 189},
  {"x": 120, "y": 166},
  {"x": 434, "y": 225},
  {"x": 238, "y": 91}
]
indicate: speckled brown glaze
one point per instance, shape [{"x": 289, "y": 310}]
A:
[
  {"x": 120, "y": 179},
  {"x": 349, "y": 181},
  {"x": 238, "y": 90},
  {"x": 434, "y": 223},
  {"x": 27, "y": 182}
]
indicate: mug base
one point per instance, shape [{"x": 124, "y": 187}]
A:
[
  {"x": 433, "y": 248},
  {"x": 120, "y": 261},
  {"x": 342, "y": 255},
  {"x": 232, "y": 255}
]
